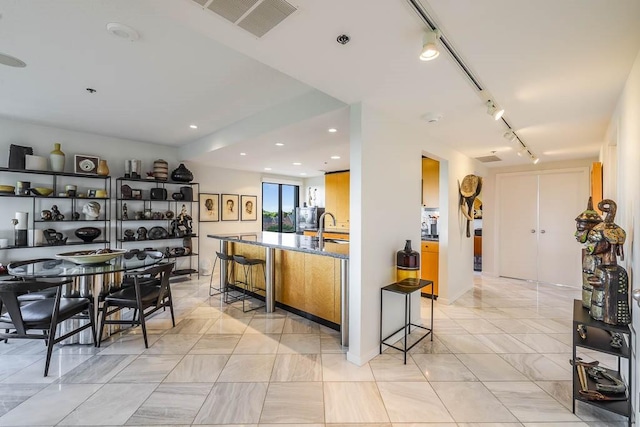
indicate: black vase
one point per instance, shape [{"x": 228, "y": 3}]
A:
[
  {"x": 407, "y": 263},
  {"x": 182, "y": 174},
  {"x": 88, "y": 234}
]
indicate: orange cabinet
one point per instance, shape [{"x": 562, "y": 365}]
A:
[
  {"x": 336, "y": 198},
  {"x": 430, "y": 183},
  {"x": 429, "y": 263}
]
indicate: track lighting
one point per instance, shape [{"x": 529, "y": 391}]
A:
[
  {"x": 494, "y": 111},
  {"x": 509, "y": 135},
  {"x": 521, "y": 151},
  {"x": 429, "y": 47},
  {"x": 535, "y": 160}
]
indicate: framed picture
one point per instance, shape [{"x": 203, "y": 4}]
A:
[
  {"x": 209, "y": 205},
  {"x": 249, "y": 208},
  {"x": 136, "y": 194},
  {"x": 91, "y": 193},
  {"x": 87, "y": 165},
  {"x": 229, "y": 207}
]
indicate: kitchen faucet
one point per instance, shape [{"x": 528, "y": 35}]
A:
[{"x": 321, "y": 228}]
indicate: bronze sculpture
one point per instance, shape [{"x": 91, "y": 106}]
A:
[
  {"x": 584, "y": 223},
  {"x": 610, "y": 296}
]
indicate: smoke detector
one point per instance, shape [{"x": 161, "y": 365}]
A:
[
  {"x": 122, "y": 31},
  {"x": 431, "y": 117}
]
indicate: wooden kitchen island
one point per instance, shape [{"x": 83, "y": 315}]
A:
[{"x": 301, "y": 276}]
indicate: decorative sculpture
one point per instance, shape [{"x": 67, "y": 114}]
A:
[
  {"x": 55, "y": 213},
  {"x": 470, "y": 188},
  {"x": 91, "y": 210},
  {"x": 584, "y": 223},
  {"x": 610, "y": 296},
  {"x": 181, "y": 226}
]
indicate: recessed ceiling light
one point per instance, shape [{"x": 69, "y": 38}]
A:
[
  {"x": 332, "y": 130},
  {"x": 279, "y": 144},
  {"x": 303, "y": 173},
  {"x": 243, "y": 154},
  {"x": 267, "y": 169},
  {"x": 193, "y": 126},
  {"x": 122, "y": 31},
  {"x": 335, "y": 157},
  {"x": 296, "y": 163},
  {"x": 11, "y": 61}
]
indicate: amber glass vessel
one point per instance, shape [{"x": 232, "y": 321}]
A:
[{"x": 407, "y": 263}]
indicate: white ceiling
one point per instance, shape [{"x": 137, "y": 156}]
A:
[{"x": 557, "y": 67}]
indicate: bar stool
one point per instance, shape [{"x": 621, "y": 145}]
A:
[
  {"x": 224, "y": 287},
  {"x": 249, "y": 284}
]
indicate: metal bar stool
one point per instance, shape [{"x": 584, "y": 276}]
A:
[
  {"x": 228, "y": 259},
  {"x": 249, "y": 283}
]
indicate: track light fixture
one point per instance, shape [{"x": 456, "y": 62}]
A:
[
  {"x": 494, "y": 111},
  {"x": 509, "y": 135},
  {"x": 429, "y": 47},
  {"x": 534, "y": 159}
]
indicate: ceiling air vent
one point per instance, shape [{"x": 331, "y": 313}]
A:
[
  {"x": 265, "y": 16},
  {"x": 489, "y": 159},
  {"x": 231, "y": 10},
  {"x": 255, "y": 16}
]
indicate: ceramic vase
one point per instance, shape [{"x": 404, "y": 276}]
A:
[
  {"x": 407, "y": 263},
  {"x": 57, "y": 158},
  {"x": 182, "y": 174},
  {"x": 103, "y": 168}
]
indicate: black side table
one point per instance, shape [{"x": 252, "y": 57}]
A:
[{"x": 406, "y": 288}]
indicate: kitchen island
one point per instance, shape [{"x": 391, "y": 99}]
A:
[{"x": 302, "y": 275}]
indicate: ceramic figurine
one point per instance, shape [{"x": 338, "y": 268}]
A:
[
  {"x": 142, "y": 233},
  {"x": 55, "y": 213},
  {"x": 129, "y": 235},
  {"x": 584, "y": 223},
  {"x": 125, "y": 214},
  {"x": 610, "y": 296},
  {"x": 75, "y": 216},
  {"x": 46, "y": 215}
]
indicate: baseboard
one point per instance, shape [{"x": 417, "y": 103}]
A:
[{"x": 361, "y": 360}]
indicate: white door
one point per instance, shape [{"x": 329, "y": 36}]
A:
[
  {"x": 536, "y": 222},
  {"x": 517, "y": 225},
  {"x": 562, "y": 196}
]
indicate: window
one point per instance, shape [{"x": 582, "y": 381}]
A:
[{"x": 279, "y": 203}]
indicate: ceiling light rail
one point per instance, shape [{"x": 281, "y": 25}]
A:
[{"x": 492, "y": 108}]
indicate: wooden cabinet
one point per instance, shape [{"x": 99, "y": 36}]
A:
[
  {"x": 337, "y": 197},
  {"x": 430, "y": 183},
  {"x": 327, "y": 235},
  {"x": 429, "y": 263}
]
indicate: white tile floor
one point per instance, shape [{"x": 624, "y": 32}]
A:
[{"x": 499, "y": 358}]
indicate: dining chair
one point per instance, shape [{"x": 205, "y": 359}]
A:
[
  {"x": 36, "y": 295},
  {"x": 23, "y": 317},
  {"x": 150, "y": 292}
]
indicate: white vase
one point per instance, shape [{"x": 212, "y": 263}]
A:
[{"x": 57, "y": 159}]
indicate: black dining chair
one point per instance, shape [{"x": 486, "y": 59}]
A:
[
  {"x": 150, "y": 292},
  {"x": 23, "y": 317}
]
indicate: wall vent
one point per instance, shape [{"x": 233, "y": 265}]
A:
[
  {"x": 489, "y": 159},
  {"x": 255, "y": 16}
]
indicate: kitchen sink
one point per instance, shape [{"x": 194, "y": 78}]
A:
[{"x": 338, "y": 241}]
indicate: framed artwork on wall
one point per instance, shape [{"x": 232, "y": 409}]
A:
[
  {"x": 249, "y": 208},
  {"x": 84, "y": 164},
  {"x": 229, "y": 207},
  {"x": 209, "y": 207}
]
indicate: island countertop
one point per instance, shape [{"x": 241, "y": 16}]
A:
[{"x": 287, "y": 241}]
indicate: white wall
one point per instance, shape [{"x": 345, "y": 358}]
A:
[
  {"x": 622, "y": 186},
  {"x": 490, "y": 255},
  {"x": 384, "y": 208},
  {"x": 315, "y": 184},
  {"x": 42, "y": 138}
]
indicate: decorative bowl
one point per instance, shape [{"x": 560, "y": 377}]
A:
[
  {"x": 88, "y": 234},
  {"x": 91, "y": 257},
  {"x": 41, "y": 191}
]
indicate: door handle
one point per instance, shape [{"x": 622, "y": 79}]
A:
[
  {"x": 636, "y": 295},
  {"x": 542, "y": 231},
  {"x": 533, "y": 231}
]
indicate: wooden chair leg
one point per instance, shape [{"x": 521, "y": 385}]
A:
[
  {"x": 101, "y": 324},
  {"x": 144, "y": 329}
]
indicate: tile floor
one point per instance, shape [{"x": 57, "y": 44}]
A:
[{"x": 499, "y": 358}]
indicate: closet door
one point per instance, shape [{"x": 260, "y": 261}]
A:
[
  {"x": 562, "y": 196},
  {"x": 517, "y": 225}
]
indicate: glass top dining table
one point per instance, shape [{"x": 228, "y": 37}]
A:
[{"x": 128, "y": 262}]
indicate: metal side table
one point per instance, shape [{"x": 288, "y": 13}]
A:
[{"x": 406, "y": 287}]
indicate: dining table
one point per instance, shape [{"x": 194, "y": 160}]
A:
[{"x": 91, "y": 280}]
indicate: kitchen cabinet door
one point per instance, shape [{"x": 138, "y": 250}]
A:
[
  {"x": 331, "y": 192},
  {"x": 430, "y": 183},
  {"x": 343, "y": 200},
  {"x": 429, "y": 270}
]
